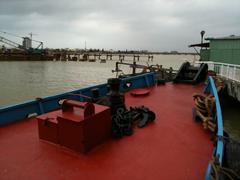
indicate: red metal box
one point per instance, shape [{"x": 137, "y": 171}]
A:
[
  {"x": 78, "y": 126},
  {"x": 82, "y": 131},
  {"x": 48, "y": 126}
]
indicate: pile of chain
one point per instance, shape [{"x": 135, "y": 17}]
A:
[
  {"x": 124, "y": 120},
  {"x": 205, "y": 110}
]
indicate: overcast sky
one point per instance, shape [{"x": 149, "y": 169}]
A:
[{"x": 159, "y": 25}]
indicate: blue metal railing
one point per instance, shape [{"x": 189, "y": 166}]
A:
[
  {"x": 219, "y": 149},
  {"x": 42, "y": 105}
]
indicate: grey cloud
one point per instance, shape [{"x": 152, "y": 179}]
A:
[{"x": 127, "y": 24}]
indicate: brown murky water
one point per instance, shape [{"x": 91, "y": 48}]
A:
[{"x": 22, "y": 81}]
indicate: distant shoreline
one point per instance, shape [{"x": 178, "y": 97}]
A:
[{"x": 82, "y": 56}]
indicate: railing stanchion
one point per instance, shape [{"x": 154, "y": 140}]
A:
[
  {"x": 234, "y": 73},
  {"x": 221, "y": 70}
]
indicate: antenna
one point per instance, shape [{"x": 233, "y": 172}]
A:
[
  {"x": 9, "y": 42},
  {"x": 32, "y": 40},
  {"x": 31, "y": 35}
]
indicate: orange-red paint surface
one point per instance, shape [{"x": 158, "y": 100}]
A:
[
  {"x": 79, "y": 129},
  {"x": 172, "y": 147}
]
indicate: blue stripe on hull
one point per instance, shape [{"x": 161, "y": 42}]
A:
[
  {"x": 219, "y": 149},
  {"x": 21, "y": 111}
]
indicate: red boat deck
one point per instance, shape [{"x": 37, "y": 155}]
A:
[{"x": 173, "y": 147}]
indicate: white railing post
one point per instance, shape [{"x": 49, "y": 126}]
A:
[
  {"x": 227, "y": 74},
  {"x": 211, "y": 66},
  {"x": 234, "y": 73},
  {"x": 221, "y": 70},
  {"x": 217, "y": 68}
]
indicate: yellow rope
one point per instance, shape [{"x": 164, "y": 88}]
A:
[{"x": 205, "y": 109}]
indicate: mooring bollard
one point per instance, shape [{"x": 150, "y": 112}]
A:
[{"x": 121, "y": 58}]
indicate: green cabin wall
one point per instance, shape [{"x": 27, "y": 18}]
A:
[
  {"x": 205, "y": 54},
  {"x": 225, "y": 50}
]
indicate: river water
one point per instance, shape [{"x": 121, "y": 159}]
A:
[{"x": 23, "y": 81}]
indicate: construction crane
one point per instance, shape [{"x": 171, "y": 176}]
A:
[
  {"x": 16, "y": 45},
  {"x": 10, "y": 43},
  {"x": 31, "y": 34},
  {"x": 40, "y": 45}
]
